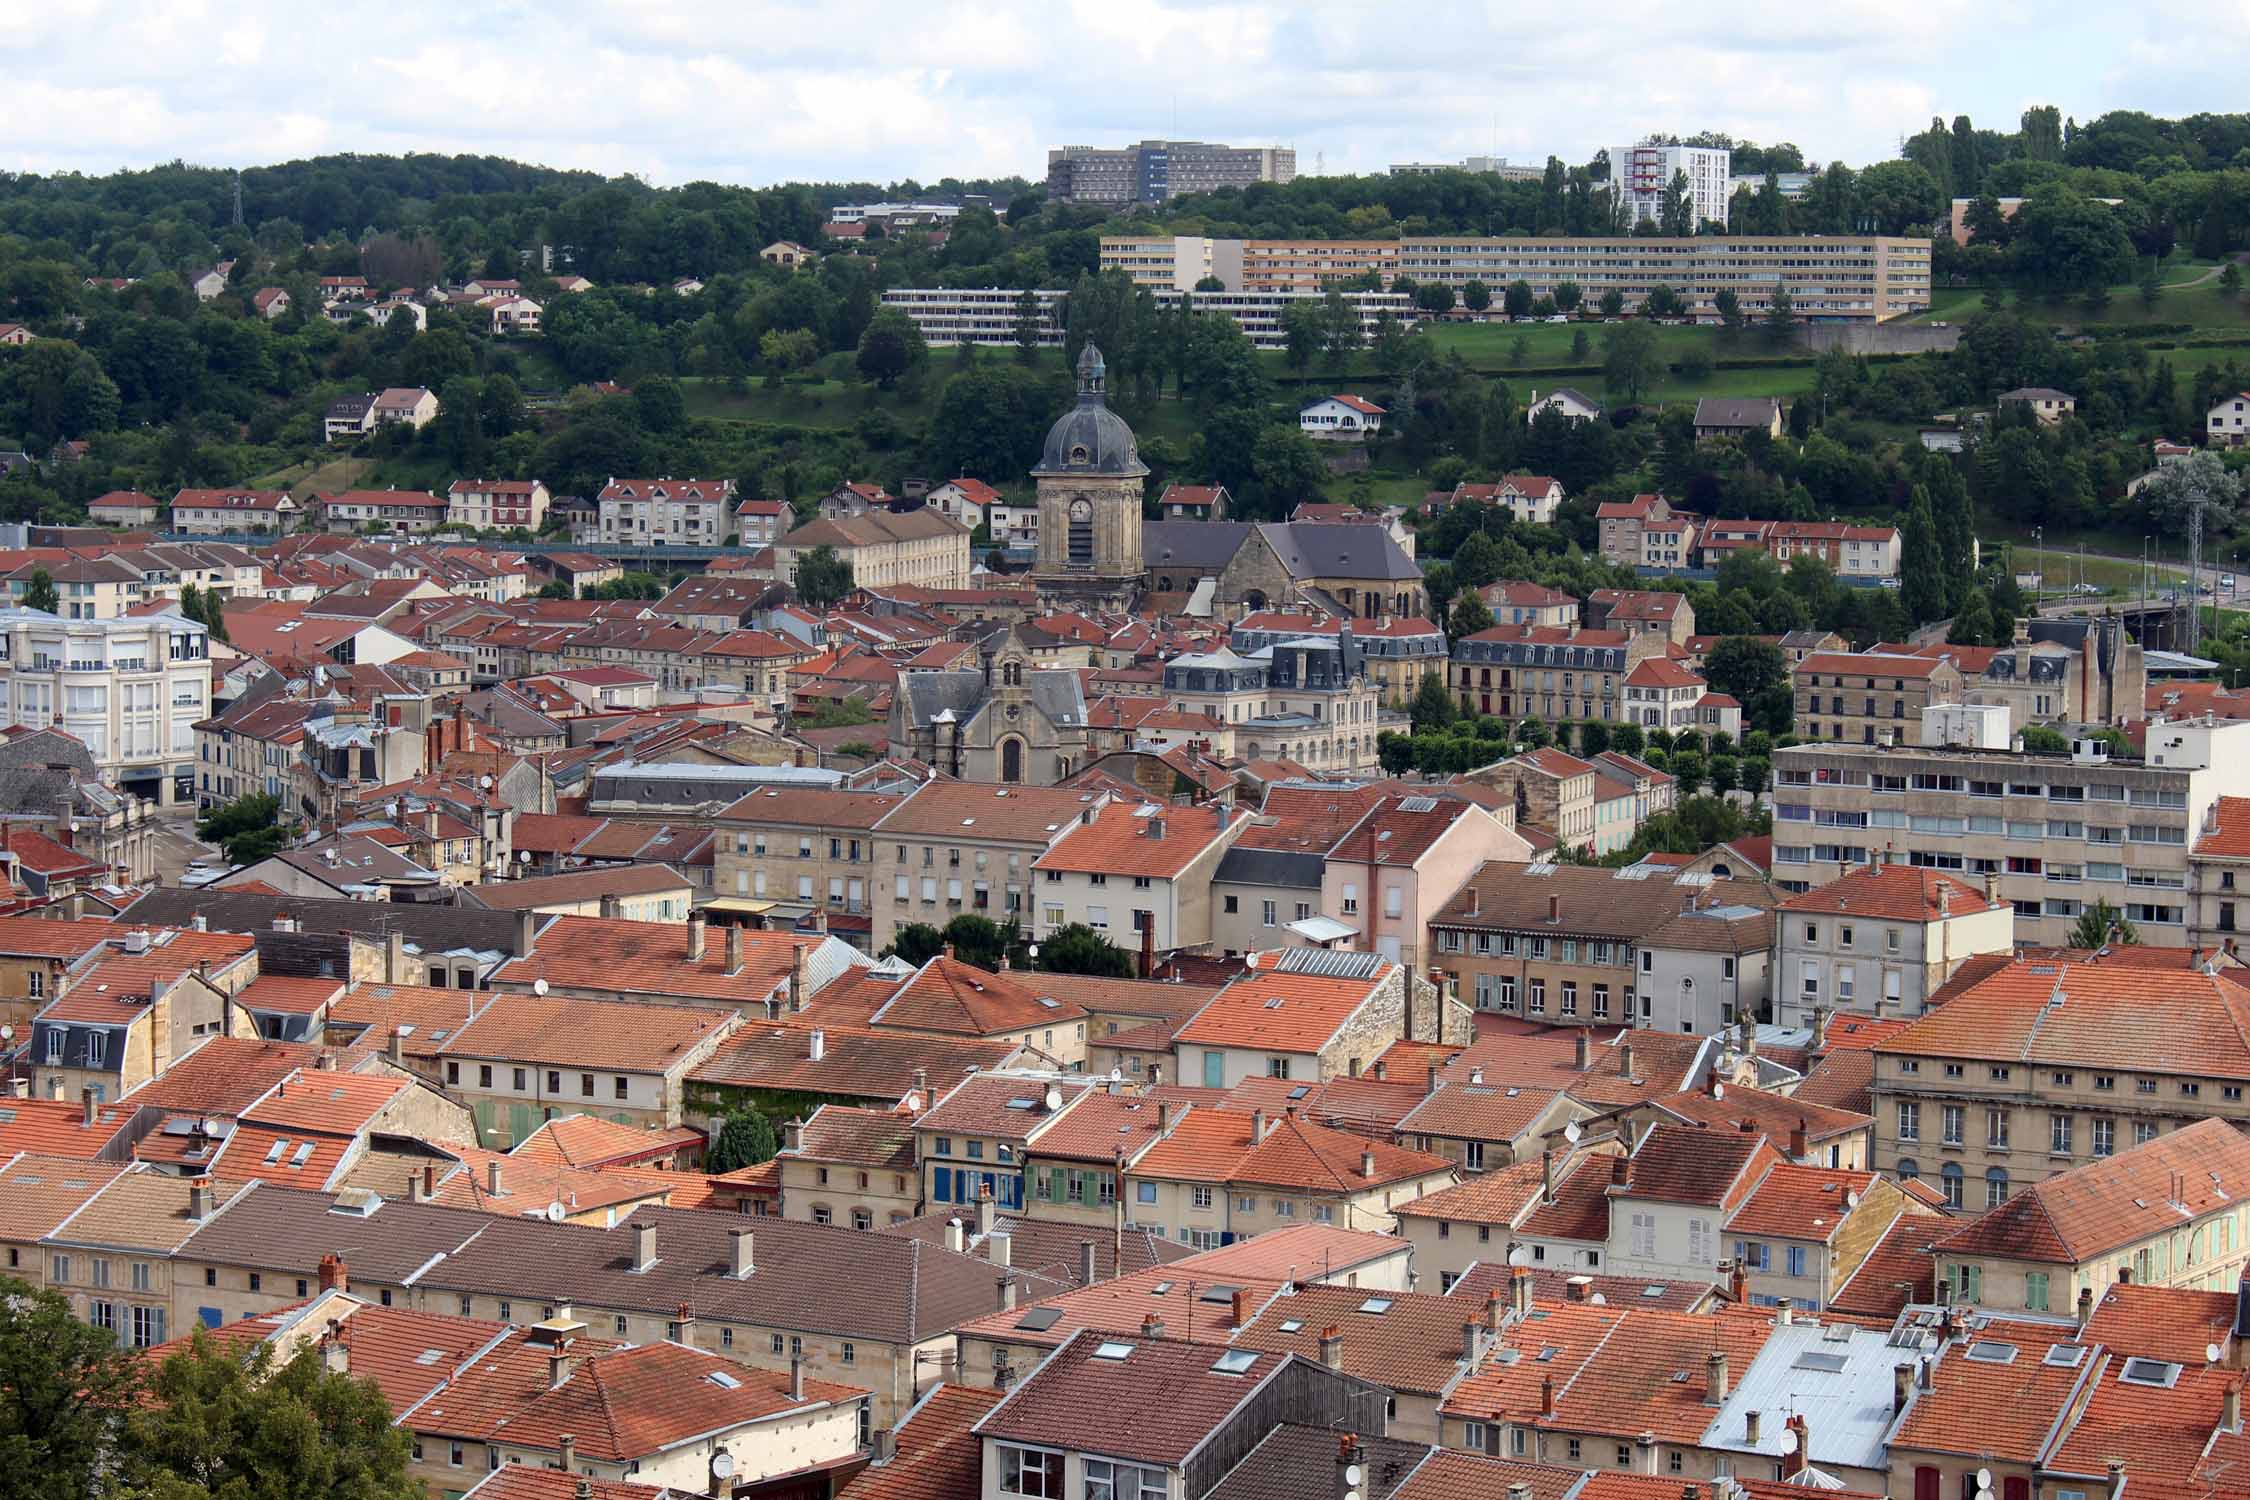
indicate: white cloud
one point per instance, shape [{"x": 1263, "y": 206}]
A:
[{"x": 777, "y": 90}]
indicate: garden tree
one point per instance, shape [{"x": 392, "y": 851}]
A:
[
  {"x": 1921, "y": 570},
  {"x": 822, "y": 577},
  {"x": 1987, "y": 222},
  {"x": 64, "y": 1386},
  {"x": 2039, "y": 739},
  {"x": 1725, "y": 773},
  {"x": 1781, "y": 317},
  {"x": 657, "y": 400},
  {"x": 1031, "y": 320},
  {"x": 1433, "y": 707},
  {"x": 1475, "y": 295},
  {"x": 1287, "y": 467},
  {"x": 1210, "y": 284},
  {"x": 1972, "y": 622},
  {"x": 248, "y": 828},
  {"x": 1517, "y": 300},
  {"x": 1304, "y": 330},
  {"x": 1078, "y": 949},
  {"x": 1896, "y": 194},
  {"x": 980, "y": 942},
  {"x": 2065, "y": 242},
  {"x": 991, "y": 420},
  {"x": 1746, "y": 669},
  {"x": 2172, "y": 492},
  {"x": 1677, "y": 217},
  {"x": 2151, "y": 283},
  {"x": 1519, "y": 352},
  {"x": 1434, "y": 298},
  {"x": 1630, "y": 363},
  {"x": 1663, "y": 301},
  {"x": 51, "y": 390},
  {"x": 1476, "y": 562},
  {"x": 1343, "y": 331},
  {"x": 1578, "y": 345},
  {"x": 1567, "y": 295},
  {"x": 39, "y": 592},
  {"x": 890, "y": 347},
  {"x": 918, "y": 943},
  {"x": 2103, "y": 926},
  {"x": 222, "y": 1423},
  {"x": 1729, "y": 308},
  {"x": 1470, "y": 614},
  {"x": 1612, "y": 302},
  {"x": 745, "y": 1138}
]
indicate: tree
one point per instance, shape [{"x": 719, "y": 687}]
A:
[
  {"x": 248, "y": 828},
  {"x": 1744, "y": 667},
  {"x": 1781, "y": 317},
  {"x": 1630, "y": 363},
  {"x": 1477, "y": 563},
  {"x": 1678, "y": 214},
  {"x": 2042, "y": 135},
  {"x": 2039, "y": 739},
  {"x": 918, "y": 943},
  {"x": 1663, "y": 301},
  {"x": 822, "y": 577},
  {"x": 1470, "y": 615},
  {"x": 1921, "y": 569},
  {"x": 1031, "y": 321},
  {"x": 1475, "y": 295},
  {"x": 2151, "y": 283},
  {"x": 2103, "y": 926},
  {"x": 1078, "y": 949},
  {"x": 222, "y": 1426},
  {"x": 1433, "y": 707},
  {"x": 890, "y": 347},
  {"x": 64, "y": 1384},
  {"x": 782, "y": 350},
  {"x": 1612, "y": 302},
  {"x": 2066, "y": 242},
  {"x": 745, "y": 1139},
  {"x": 40, "y": 592},
  {"x": 1435, "y": 298},
  {"x": 2230, "y": 280},
  {"x": 658, "y": 400},
  {"x": 1972, "y": 622},
  {"x": 1518, "y": 298},
  {"x": 1304, "y": 329},
  {"x": 1567, "y": 295},
  {"x": 1729, "y": 308}
]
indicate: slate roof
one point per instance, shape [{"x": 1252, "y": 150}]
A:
[
  {"x": 1155, "y": 1403},
  {"x": 1192, "y": 544}
]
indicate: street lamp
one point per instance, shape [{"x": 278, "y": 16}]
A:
[{"x": 2039, "y": 541}]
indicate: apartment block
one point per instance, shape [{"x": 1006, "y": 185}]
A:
[
  {"x": 1829, "y": 278},
  {"x": 1153, "y": 171},
  {"x": 131, "y": 690},
  {"x": 2055, "y": 833},
  {"x": 1643, "y": 176},
  {"x": 1881, "y": 941},
  {"x": 987, "y": 315},
  {"x": 1873, "y": 697}
]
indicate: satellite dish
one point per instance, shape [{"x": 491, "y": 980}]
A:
[
  {"x": 1571, "y": 1132},
  {"x": 485, "y": 782},
  {"x": 722, "y": 1463},
  {"x": 2212, "y": 1354},
  {"x": 539, "y": 986},
  {"x": 1054, "y": 1098},
  {"x": 556, "y": 1213},
  {"x": 7, "y": 1033},
  {"x": 523, "y": 856},
  {"x": 1984, "y": 1479},
  {"x": 1718, "y": 1091},
  {"x": 1352, "y": 1474}
]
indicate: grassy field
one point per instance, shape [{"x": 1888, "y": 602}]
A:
[{"x": 325, "y": 475}]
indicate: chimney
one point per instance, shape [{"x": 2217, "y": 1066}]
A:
[
  {"x": 1367, "y": 1165},
  {"x": 886, "y": 1445},
  {"x": 1433, "y": 1079},
  {"x": 1471, "y": 1331},
  {"x": 816, "y": 1046},
  {"x": 1784, "y": 1311},
  {"x": 1620, "y": 1171},
  {"x": 394, "y": 958},
  {"x": 1088, "y": 1271},
  {"x": 695, "y": 929},
  {"x": 87, "y": 1105},
  {"x": 644, "y": 1244},
  {"x": 1793, "y": 1462},
  {"x": 1519, "y": 1291},
  {"x": 985, "y": 1211},
  {"x": 199, "y": 1198},
  {"x": 1257, "y": 1125},
  {"x": 1578, "y": 1289},
  {"x": 797, "y": 977},
  {"x": 1798, "y": 1141},
  {"x": 1007, "y": 1288},
  {"x": 922, "y": 1086},
  {"x": 395, "y": 1048},
  {"x": 1715, "y": 1378},
  {"x": 334, "y": 1277},
  {"x": 734, "y": 951},
  {"x": 1547, "y": 1172},
  {"x": 745, "y": 1260},
  {"x": 1546, "y": 1395},
  {"x": 1148, "y": 947},
  {"x": 2085, "y": 1307},
  {"x": 1739, "y": 1285},
  {"x": 492, "y": 1179},
  {"x": 956, "y": 1236},
  {"x": 1152, "y": 1326},
  {"x": 2230, "y": 1407},
  {"x": 683, "y": 1320},
  {"x": 1902, "y": 1385},
  {"x": 1583, "y": 1052},
  {"x": 1624, "y": 1059},
  {"x": 999, "y": 1248},
  {"x": 1494, "y": 1313},
  {"x": 568, "y": 1442},
  {"x": 1332, "y": 1347},
  {"x": 527, "y": 928},
  {"x": 1554, "y": 910},
  {"x": 335, "y": 1358},
  {"x": 558, "y": 1369},
  {"x": 1750, "y": 1428}
]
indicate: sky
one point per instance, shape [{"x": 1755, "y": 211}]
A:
[{"x": 764, "y": 91}]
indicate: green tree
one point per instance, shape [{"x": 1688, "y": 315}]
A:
[
  {"x": 783, "y": 350},
  {"x": 1630, "y": 363},
  {"x": 822, "y": 577},
  {"x": 2039, "y": 739},
  {"x": 1921, "y": 569},
  {"x": 1518, "y": 298},
  {"x": 890, "y": 348},
  {"x": 1678, "y": 214},
  {"x": 1031, "y": 321},
  {"x": 40, "y": 592},
  {"x": 1433, "y": 707},
  {"x": 981, "y": 942},
  {"x": 1781, "y": 317},
  {"x": 2103, "y": 926},
  {"x": 1435, "y": 298},
  {"x": 1743, "y": 667},
  {"x": 64, "y": 1385},
  {"x": 1475, "y": 295},
  {"x": 1663, "y": 301},
  {"x": 1972, "y": 622},
  {"x": 1470, "y": 615},
  {"x": 662, "y": 408},
  {"x": 1477, "y": 562},
  {"x": 1078, "y": 949},
  {"x": 2151, "y": 283},
  {"x": 220, "y": 1425},
  {"x": 1612, "y": 302},
  {"x": 918, "y": 943},
  {"x": 1729, "y": 308},
  {"x": 2230, "y": 280},
  {"x": 745, "y": 1139},
  {"x": 1567, "y": 295},
  {"x": 248, "y": 828},
  {"x": 1304, "y": 330}
]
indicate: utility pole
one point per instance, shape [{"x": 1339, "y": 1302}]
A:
[{"x": 2192, "y": 634}]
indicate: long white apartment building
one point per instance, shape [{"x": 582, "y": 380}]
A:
[
  {"x": 2052, "y": 833},
  {"x": 987, "y": 315},
  {"x": 131, "y": 690},
  {"x": 1829, "y": 277}
]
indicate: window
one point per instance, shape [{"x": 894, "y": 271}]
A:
[
  {"x": 1954, "y": 1117},
  {"x": 1995, "y": 1186},
  {"x": 2105, "y": 1137},
  {"x": 1108, "y": 1480},
  {"x": 2035, "y": 1291},
  {"x": 1030, "y": 1471},
  {"x": 2059, "y": 1134},
  {"x": 1909, "y": 1120},
  {"x": 1949, "y": 1178}
]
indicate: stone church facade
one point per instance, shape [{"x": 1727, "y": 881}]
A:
[
  {"x": 1006, "y": 721},
  {"x": 1090, "y": 478}
]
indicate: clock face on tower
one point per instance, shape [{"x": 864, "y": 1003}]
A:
[{"x": 1081, "y": 509}]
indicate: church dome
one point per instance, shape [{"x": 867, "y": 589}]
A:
[{"x": 1090, "y": 439}]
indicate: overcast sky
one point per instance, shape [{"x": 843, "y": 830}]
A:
[{"x": 756, "y": 92}]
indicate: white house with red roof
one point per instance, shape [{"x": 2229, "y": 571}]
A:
[
  {"x": 14, "y": 335},
  {"x": 1662, "y": 694},
  {"x": 1530, "y": 498},
  {"x": 1341, "y": 418},
  {"x": 1881, "y": 940},
  {"x": 969, "y": 501}
]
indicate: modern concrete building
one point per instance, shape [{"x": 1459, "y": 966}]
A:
[
  {"x": 132, "y": 690},
  {"x": 1153, "y": 171},
  {"x": 1829, "y": 278},
  {"x": 1643, "y": 176},
  {"x": 988, "y": 315}
]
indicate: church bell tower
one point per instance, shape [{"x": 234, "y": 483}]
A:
[{"x": 1091, "y": 480}]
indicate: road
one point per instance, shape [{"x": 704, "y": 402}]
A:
[{"x": 177, "y": 846}]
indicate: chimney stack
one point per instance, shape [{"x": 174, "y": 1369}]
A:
[
  {"x": 956, "y": 1236},
  {"x": 1750, "y": 1428},
  {"x": 1332, "y": 1347},
  {"x": 1006, "y": 1286},
  {"x": 1547, "y": 1172},
  {"x": 558, "y": 1369},
  {"x": 568, "y": 1442},
  {"x": 492, "y": 1178},
  {"x": 527, "y": 931},
  {"x": 87, "y": 1106},
  {"x": 2085, "y": 1307},
  {"x": 985, "y": 1210},
  {"x": 745, "y": 1260},
  {"x": 1624, "y": 1059},
  {"x": 796, "y": 1377},
  {"x": 335, "y": 1357},
  {"x": 1715, "y": 1378},
  {"x": 1546, "y": 1395},
  {"x": 816, "y": 1046},
  {"x": 1152, "y": 1326},
  {"x": 1793, "y": 1462},
  {"x": 334, "y": 1276},
  {"x": 644, "y": 1244},
  {"x": 1799, "y": 1142},
  {"x": 797, "y": 977},
  {"x": 2230, "y": 1407},
  {"x": 1088, "y": 1270},
  {"x": 1367, "y": 1165},
  {"x": 1257, "y": 1127},
  {"x": 695, "y": 929},
  {"x": 999, "y": 1248},
  {"x": 1902, "y": 1385},
  {"x": 1583, "y": 1051},
  {"x": 734, "y": 951},
  {"x": 1519, "y": 1291},
  {"x": 199, "y": 1199},
  {"x": 1578, "y": 1289}
]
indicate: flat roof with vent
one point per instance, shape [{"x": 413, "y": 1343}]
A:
[{"x": 1332, "y": 963}]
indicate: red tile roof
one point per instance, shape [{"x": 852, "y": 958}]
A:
[
  {"x": 946, "y": 995},
  {"x": 2096, "y": 1015},
  {"x": 1214, "y": 1145},
  {"x": 1895, "y": 893},
  {"x": 1125, "y": 840},
  {"x": 1282, "y": 1012},
  {"x": 939, "y": 1457}
]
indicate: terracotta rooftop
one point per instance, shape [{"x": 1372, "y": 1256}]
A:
[
  {"x": 619, "y": 1035},
  {"x": 2092, "y": 1015},
  {"x": 948, "y": 996},
  {"x": 1154, "y": 1400},
  {"x": 939, "y": 1457},
  {"x": 1891, "y": 893},
  {"x": 1282, "y": 1012},
  {"x": 1159, "y": 841},
  {"x": 852, "y": 1062}
]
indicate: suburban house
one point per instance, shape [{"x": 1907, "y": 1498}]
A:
[
  {"x": 1726, "y": 416},
  {"x": 1340, "y": 418},
  {"x": 2227, "y": 425},
  {"x": 222, "y": 512},
  {"x": 1573, "y": 405},
  {"x": 2046, "y": 404}
]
